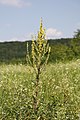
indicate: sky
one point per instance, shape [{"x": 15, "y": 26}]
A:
[{"x": 20, "y": 19}]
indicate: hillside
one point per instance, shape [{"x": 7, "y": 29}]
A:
[{"x": 15, "y": 52}]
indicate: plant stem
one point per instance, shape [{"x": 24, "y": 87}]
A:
[{"x": 35, "y": 98}]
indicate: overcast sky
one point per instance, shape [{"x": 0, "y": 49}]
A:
[{"x": 19, "y": 19}]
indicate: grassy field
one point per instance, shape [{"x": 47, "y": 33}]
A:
[{"x": 59, "y": 92}]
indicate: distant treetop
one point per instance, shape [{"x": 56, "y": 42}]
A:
[{"x": 77, "y": 34}]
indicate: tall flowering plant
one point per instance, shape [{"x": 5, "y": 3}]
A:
[{"x": 39, "y": 57}]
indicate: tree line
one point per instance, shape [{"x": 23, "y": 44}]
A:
[{"x": 63, "y": 49}]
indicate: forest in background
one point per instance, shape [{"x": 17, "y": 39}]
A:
[{"x": 64, "y": 49}]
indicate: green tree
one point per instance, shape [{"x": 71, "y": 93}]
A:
[
  {"x": 75, "y": 43},
  {"x": 77, "y": 34}
]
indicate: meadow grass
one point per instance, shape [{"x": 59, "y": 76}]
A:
[{"x": 59, "y": 92}]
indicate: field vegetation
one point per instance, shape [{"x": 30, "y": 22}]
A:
[{"x": 59, "y": 93}]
